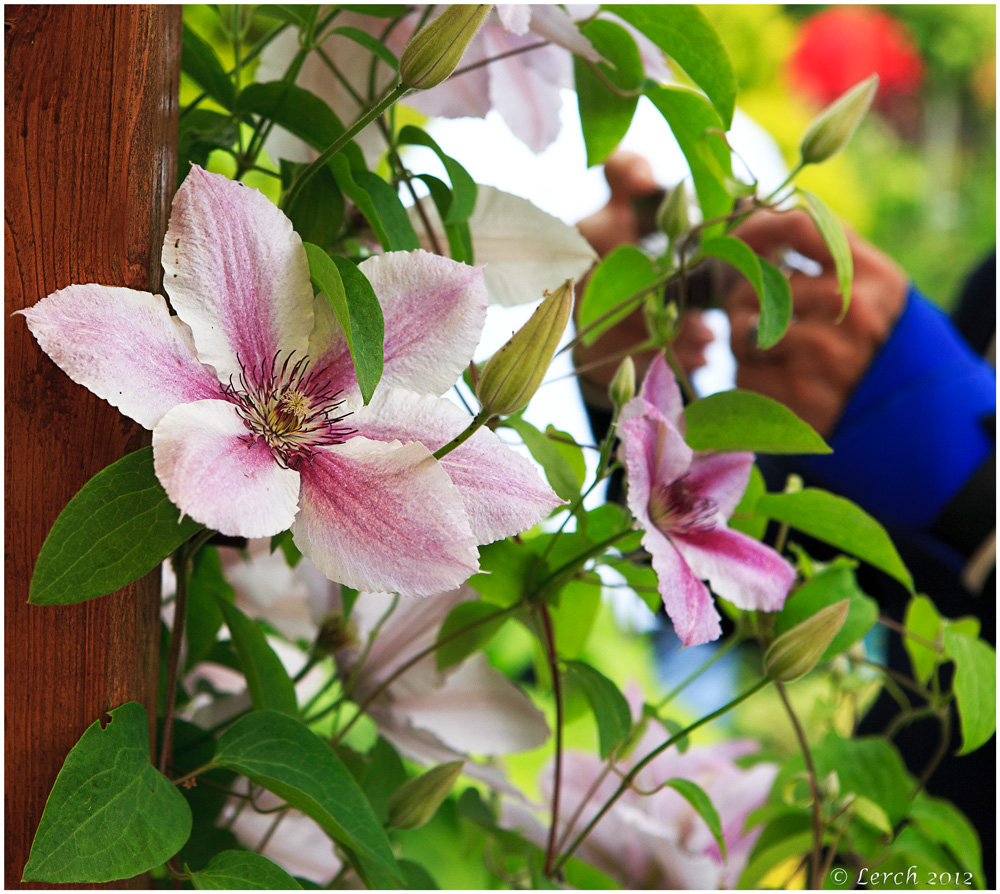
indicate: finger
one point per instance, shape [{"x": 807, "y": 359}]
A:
[{"x": 769, "y": 232}]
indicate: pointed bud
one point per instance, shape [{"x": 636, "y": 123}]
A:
[
  {"x": 673, "y": 218},
  {"x": 513, "y": 373},
  {"x": 434, "y": 52},
  {"x": 796, "y": 652},
  {"x": 622, "y": 387},
  {"x": 835, "y": 125},
  {"x": 416, "y": 801}
]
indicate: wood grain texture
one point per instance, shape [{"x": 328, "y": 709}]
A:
[{"x": 89, "y": 170}]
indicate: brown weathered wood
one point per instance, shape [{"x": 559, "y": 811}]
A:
[{"x": 89, "y": 169}]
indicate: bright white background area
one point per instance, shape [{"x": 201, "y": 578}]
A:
[{"x": 559, "y": 182}]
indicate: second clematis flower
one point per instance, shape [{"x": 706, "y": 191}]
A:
[
  {"x": 683, "y": 499},
  {"x": 257, "y": 419}
]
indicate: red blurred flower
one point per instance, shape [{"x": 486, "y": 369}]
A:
[{"x": 841, "y": 46}]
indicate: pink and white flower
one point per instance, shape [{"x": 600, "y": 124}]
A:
[
  {"x": 683, "y": 499},
  {"x": 652, "y": 839},
  {"x": 256, "y": 414}
]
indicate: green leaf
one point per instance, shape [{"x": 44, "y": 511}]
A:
[
  {"x": 270, "y": 686},
  {"x": 611, "y": 711},
  {"x": 744, "y": 517},
  {"x": 699, "y": 800},
  {"x": 605, "y": 115},
  {"x": 463, "y": 187},
  {"x": 945, "y": 822},
  {"x": 242, "y": 870},
  {"x": 692, "y": 120},
  {"x": 318, "y": 212},
  {"x": 372, "y": 44},
  {"x": 201, "y": 133},
  {"x": 573, "y": 618},
  {"x": 922, "y": 619},
  {"x": 840, "y": 523},
  {"x": 831, "y": 585},
  {"x": 562, "y": 473},
  {"x": 204, "y": 617},
  {"x": 111, "y": 815},
  {"x": 975, "y": 687},
  {"x": 767, "y": 280},
  {"x": 199, "y": 62},
  {"x": 622, "y": 273},
  {"x": 833, "y": 234},
  {"x": 385, "y": 773},
  {"x": 459, "y": 235},
  {"x": 504, "y": 566},
  {"x": 357, "y": 309},
  {"x": 686, "y": 36},
  {"x": 744, "y": 420},
  {"x": 390, "y": 210},
  {"x": 294, "y": 108},
  {"x": 487, "y": 620},
  {"x": 765, "y": 859},
  {"x": 120, "y": 526},
  {"x": 287, "y": 758}
]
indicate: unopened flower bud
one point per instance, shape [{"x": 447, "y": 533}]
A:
[
  {"x": 673, "y": 218},
  {"x": 795, "y": 652},
  {"x": 622, "y": 387},
  {"x": 436, "y": 49},
  {"x": 513, "y": 373},
  {"x": 835, "y": 125},
  {"x": 416, "y": 801}
]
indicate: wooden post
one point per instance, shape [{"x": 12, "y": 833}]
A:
[{"x": 90, "y": 168}]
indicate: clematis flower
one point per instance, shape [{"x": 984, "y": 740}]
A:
[
  {"x": 256, "y": 414},
  {"x": 652, "y": 839},
  {"x": 436, "y": 716},
  {"x": 683, "y": 500}
]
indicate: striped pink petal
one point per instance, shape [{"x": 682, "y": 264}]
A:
[
  {"x": 124, "y": 346},
  {"x": 722, "y": 477},
  {"x": 685, "y": 597},
  {"x": 501, "y": 490},
  {"x": 384, "y": 517},
  {"x": 236, "y": 273},
  {"x": 211, "y": 474},
  {"x": 743, "y": 570}
]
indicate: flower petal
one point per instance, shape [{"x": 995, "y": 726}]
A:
[
  {"x": 218, "y": 479},
  {"x": 502, "y": 491},
  {"x": 236, "y": 273},
  {"x": 522, "y": 92},
  {"x": 743, "y": 570},
  {"x": 660, "y": 388},
  {"x": 525, "y": 250},
  {"x": 555, "y": 24},
  {"x": 434, "y": 311},
  {"x": 655, "y": 455},
  {"x": 515, "y": 17},
  {"x": 124, "y": 346},
  {"x": 722, "y": 477},
  {"x": 477, "y": 710},
  {"x": 685, "y": 597},
  {"x": 384, "y": 517}
]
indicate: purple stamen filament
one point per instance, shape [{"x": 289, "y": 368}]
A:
[
  {"x": 680, "y": 508},
  {"x": 290, "y": 408}
]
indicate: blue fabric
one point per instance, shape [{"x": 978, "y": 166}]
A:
[{"x": 914, "y": 429}]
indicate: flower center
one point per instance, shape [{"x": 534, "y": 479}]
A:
[
  {"x": 289, "y": 408},
  {"x": 680, "y": 508}
]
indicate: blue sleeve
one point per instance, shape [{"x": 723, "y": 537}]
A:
[{"x": 915, "y": 428}]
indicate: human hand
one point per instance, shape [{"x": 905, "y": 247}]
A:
[{"x": 814, "y": 369}]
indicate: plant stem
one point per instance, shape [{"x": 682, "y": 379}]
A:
[
  {"x": 550, "y": 643},
  {"x": 904, "y": 631},
  {"x": 484, "y": 62},
  {"x": 397, "y": 93},
  {"x": 817, "y": 820},
  {"x": 182, "y": 568},
  {"x": 627, "y": 780},
  {"x": 478, "y": 422}
]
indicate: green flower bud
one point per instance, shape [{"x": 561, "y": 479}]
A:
[
  {"x": 795, "y": 652},
  {"x": 434, "y": 52},
  {"x": 835, "y": 125},
  {"x": 513, "y": 373},
  {"x": 672, "y": 217},
  {"x": 416, "y": 800},
  {"x": 622, "y": 387}
]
